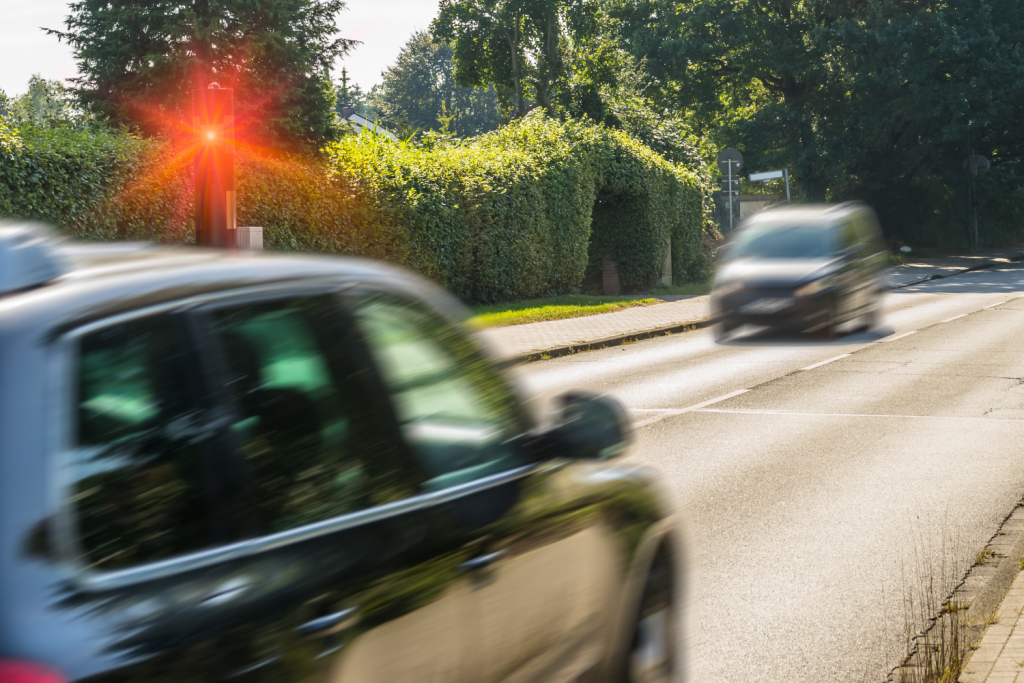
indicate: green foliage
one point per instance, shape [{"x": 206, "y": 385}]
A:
[
  {"x": 140, "y": 61},
  {"x": 519, "y": 46},
  {"x": 519, "y": 212},
  {"x": 418, "y": 93},
  {"x": 46, "y": 103},
  {"x": 881, "y": 101},
  {"x": 62, "y": 176},
  {"x": 531, "y": 208}
]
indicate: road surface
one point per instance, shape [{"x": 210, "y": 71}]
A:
[{"x": 825, "y": 482}]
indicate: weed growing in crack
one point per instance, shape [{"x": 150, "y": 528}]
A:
[{"x": 935, "y": 620}]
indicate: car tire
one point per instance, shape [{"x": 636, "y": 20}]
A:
[
  {"x": 873, "y": 316},
  {"x": 721, "y": 331},
  {"x": 829, "y": 330},
  {"x": 651, "y": 657}
]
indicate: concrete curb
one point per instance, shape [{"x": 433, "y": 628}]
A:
[
  {"x": 983, "y": 588},
  {"x": 606, "y": 342}
]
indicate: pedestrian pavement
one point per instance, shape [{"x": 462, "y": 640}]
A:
[
  {"x": 553, "y": 336},
  {"x": 1000, "y": 655},
  {"x": 558, "y": 337}
]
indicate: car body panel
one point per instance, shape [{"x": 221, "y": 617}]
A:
[{"x": 568, "y": 537}]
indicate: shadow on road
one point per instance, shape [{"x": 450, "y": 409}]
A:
[{"x": 852, "y": 333}]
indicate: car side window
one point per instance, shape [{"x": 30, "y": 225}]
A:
[
  {"x": 313, "y": 446},
  {"x": 139, "y": 489},
  {"x": 455, "y": 410},
  {"x": 848, "y": 237}
]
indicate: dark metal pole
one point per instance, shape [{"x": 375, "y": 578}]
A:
[{"x": 213, "y": 115}]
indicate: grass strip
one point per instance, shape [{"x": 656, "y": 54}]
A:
[{"x": 554, "y": 308}]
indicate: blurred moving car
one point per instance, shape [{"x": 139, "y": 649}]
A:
[
  {"x": 809, "y": 268},
  {"x": 234, "y": 466}
]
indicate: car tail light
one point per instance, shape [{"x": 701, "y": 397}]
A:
[{"x": 20, "y": 671}]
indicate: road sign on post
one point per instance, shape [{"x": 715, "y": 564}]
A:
[
  {"x": 213, "y": 115},
  {"x": 730, "y": 161},
  {"x": 772, "y": 175}
]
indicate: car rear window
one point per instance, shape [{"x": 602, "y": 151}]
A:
[
  {"x": 783, "y": 242},
  {"x": 139, "y": 488}
]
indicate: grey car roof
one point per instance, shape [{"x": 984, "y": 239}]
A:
[{"x": 99, "y": 280}]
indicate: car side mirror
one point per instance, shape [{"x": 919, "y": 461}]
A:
[{"x": 591, "y": 427}]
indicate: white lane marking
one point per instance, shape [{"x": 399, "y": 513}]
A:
[
  {"x": 892, "y": 339},
  {"x": 826, "y": 362},
  {"x": 690, "y": 409},
  {"x": 998, "y": 303},
  {"x": 955, "y": 317},
  {"x": 798, "y": 414}
]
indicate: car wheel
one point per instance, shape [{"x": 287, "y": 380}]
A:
[
  {"x": 873, "y": 316},
  {"x": 830, "y": 328},
  {"x": 721, "y": 331},
  {"x": 652, "y": 652}
]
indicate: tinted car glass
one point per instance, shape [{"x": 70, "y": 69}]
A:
[
  {"x": 792, "y": 242},
  {"x": 307, "y": 430},
  {"x": 455, "y": 410},
  {"x": 140, "y": 492}
]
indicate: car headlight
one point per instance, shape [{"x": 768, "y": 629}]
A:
[
  {"x": 811, "y": 287},
  {"x": 729, "y": 288}
]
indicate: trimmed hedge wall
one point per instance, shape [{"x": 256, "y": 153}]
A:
[
  {"x": 533, "y": 207},
  {"x": 526, "y": 210}
]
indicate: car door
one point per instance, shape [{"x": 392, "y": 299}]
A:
[
  {"x": 543, "y": 573},
  {"x": 242, "y": 510}
]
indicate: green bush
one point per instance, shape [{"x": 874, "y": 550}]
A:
[
  {"x": 524, "y": 211},
  {"x": 532, "y": 208}
]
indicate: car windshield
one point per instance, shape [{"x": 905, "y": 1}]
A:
[{"x": 789, "y": 242}]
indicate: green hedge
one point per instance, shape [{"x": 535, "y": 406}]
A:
[
  {"x": 532, "y": 208},
  {"x": 520, "y": 212}
]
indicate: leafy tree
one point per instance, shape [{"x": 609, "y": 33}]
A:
[
  {"x": 46, "y": 103},
  {"x": 140, "y": 62},
  {"x": 520, "y": 46},
  {"x": 876, "y": 100},
  {"x": 419, "y": 93}
]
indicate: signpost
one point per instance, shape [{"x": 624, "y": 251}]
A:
[
  {"x": 772, "y": 175},
  {"x": 213, "y": 116},
  {"x": 976, "y": 165},
  {"x": 730, "y": 161}
]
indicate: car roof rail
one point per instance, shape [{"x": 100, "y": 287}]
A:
[{"x": 28, "y": 256}]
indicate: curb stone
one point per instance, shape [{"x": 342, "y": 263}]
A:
[
  {"x": 983, "y": 588},
  {"x": 617, "y": 340}
]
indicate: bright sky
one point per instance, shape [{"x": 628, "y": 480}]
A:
[{"x": 384, "y": 26}]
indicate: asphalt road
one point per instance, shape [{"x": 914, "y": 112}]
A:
[{"x": 845, "y": 477}]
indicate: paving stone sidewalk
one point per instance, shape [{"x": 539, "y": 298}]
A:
[
  {"x": 520, "y": 340},
  {"x": 1000, "y": 656}
]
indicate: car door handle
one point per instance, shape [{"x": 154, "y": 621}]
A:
[
  {"x": 330, "y": 622},
  {"x": 482, "y": 561}
]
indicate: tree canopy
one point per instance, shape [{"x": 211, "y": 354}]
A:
[
  {"x": 519, "y": 46},
  {"x": 881, "y": 100},
  {"x": 419, "y": 93},
  {"x": 140, "y": 61}
]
